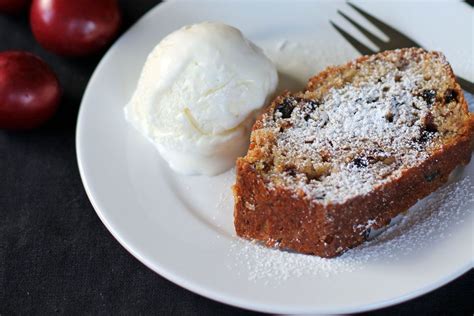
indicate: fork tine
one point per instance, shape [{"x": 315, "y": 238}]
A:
[
  {"x": 392, "y": 33},
  {"x": 361, "y": 48},
  {"x": 377, "y": 41}
]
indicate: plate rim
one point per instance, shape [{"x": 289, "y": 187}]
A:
[{"x": 195, "y": 287}]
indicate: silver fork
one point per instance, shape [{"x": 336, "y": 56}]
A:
[{"x": 396, "y": 39}]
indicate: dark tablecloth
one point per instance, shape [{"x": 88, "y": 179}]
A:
[{"x": 56, "y": 255}]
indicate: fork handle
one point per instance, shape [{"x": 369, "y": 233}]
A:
[{"x": 466, "y": 85}]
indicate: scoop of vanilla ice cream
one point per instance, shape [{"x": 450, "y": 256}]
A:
[{"x": 198, "y": 95}]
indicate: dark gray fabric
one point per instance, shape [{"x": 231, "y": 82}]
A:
[{"x": 55, "y": 254}]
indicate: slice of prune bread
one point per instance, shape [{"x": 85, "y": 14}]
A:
[{"x": 358, "y": 130}]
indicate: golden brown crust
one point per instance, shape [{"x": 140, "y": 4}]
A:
[
  {"x": 278, "y": 218},
  {"x": 283, "y": 218}
]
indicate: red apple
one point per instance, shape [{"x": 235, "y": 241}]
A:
[
  {"x": 13, "y": 6},
  {"x": 74, "y": 27},
  {"x": 29, "y": 90}
]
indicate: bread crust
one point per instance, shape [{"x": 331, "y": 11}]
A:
[{"x": 283, "y": 218}]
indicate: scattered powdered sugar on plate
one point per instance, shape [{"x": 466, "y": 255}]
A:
[
  {"x": 296, "y": 60},
  {"x": 226, "y": 195},
  {"x": 424, "y": 223}
]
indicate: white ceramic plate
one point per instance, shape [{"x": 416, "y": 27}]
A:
[{"x": 181, "y": 227}]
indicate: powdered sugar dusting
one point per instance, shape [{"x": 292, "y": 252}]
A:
[
  {"x": 357, "y": 136},
  {"x": 426, "y": 222}
]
